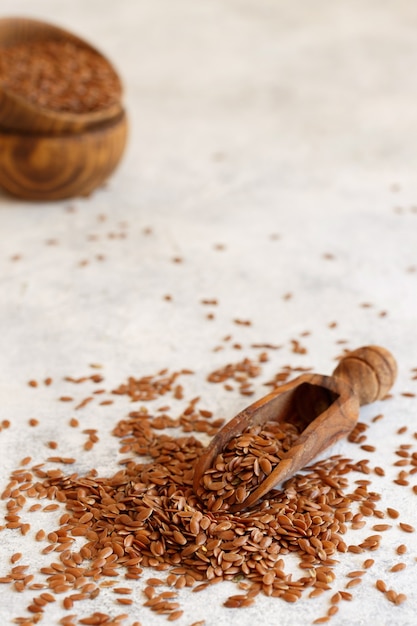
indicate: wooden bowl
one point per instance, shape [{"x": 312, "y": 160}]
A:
[
  {"x": 18, "y": 113},
  {"x": 55, "y": 167}
]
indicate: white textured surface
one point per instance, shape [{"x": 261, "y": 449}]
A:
[{"x": 249, "y": 118}]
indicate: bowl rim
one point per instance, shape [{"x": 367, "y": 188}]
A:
[{"x": 96, "y": 129}]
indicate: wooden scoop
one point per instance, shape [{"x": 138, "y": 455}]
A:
[{"x": 328, "y": 407}]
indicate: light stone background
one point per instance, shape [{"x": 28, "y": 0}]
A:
[{"x": 285, "y": 131}]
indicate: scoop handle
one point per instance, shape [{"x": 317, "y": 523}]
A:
[{"x": 370, "y": 371}]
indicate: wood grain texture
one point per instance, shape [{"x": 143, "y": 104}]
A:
[
  {"x": 17, "y": 113},
  {"x": 370, "y": 371},
  {"x": 35, "y": 167}
]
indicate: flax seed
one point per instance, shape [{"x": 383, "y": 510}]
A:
[
  {"x": 391, "y": 595},
  {"x": 146, "y": 515},
  {"x": 68, "y": 603},
  {"x": 400, "y": 598},
  {"x": 122, "y": 590},
  {"x": 155, "y": 582},
  {"x": 407, "y": 528},
  {"x": 124, "y": 600},
  {"x": 290, "y": 597},
  {"x": 355, "y": 574},
  {"x": 398, "y": 567},
  {"x": 21, "y": 68}
]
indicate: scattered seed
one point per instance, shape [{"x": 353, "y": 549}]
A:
[
  {"x": 146, "y": 514},
  {"x": 407, "y": 528},
  {"x": 398, "y": 567}
]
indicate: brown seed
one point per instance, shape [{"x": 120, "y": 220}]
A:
[
  {"x": 48, "y": 597},
  {"x": 68, "y": 603},
  {"x": 391, "y": 595},
  {"x": 401, "y": 597},
  {"x": 175, "y": 615},
  {"x": 124, "y": 600},
  {"x": 268, "y": 578},
  {"x": 290, "y": 597},
  {"x": 265, "y": 465},
  {"x": 105, "y": 552},
  {"x": 346, "y": 595},
  {"x": 398, "y": 567},
  {"x": 379, "y": 471},
  {"x": 355, "y": 574},
  {"x": 179, "y": 538},
  {"x": 146, "y": 515},
  {"x": 155, "y": 582},
  {"x": 406, "y": 527}
]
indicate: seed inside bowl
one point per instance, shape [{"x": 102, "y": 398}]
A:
[{"x": 59, "y": 75}]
